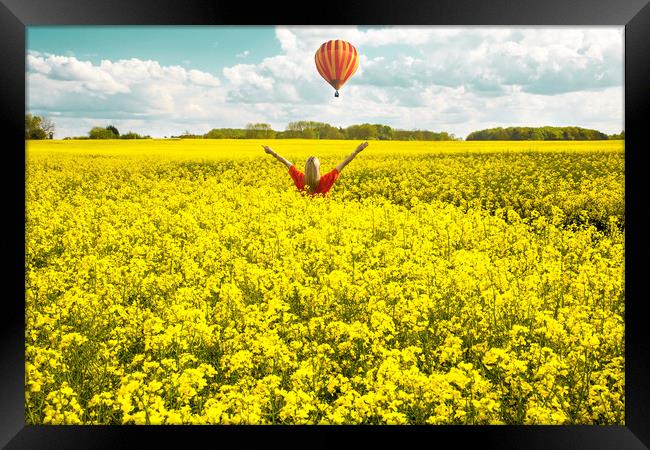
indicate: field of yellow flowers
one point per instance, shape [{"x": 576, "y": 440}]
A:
[{"x": 188, "y": 282}]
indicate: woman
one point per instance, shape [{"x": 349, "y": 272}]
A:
[{"x": 311, "y": 181}]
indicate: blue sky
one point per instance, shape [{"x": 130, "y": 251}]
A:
[
  {"x": 204, "y": 48},
  {"x": 167, "y": 80}
]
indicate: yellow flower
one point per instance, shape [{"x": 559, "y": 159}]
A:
[{"x": 440, "y": 283}]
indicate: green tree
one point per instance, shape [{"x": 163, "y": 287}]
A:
[
  {"x": 310, "y": 134},
  {"x": 384, "y": 132},
  {"x": 101, "y": 133},
  {"x": 37, "y": 127},
  {"x": 539, "y": 133},
  {"x": 311, "y": 130},
  {"x": 332, "y": 133},
  {"x": 225, "y": 133},
  {"x": 259, "y": 131},
  {"x": 363, "y": 131},
  {"x": 131, "y": 135},
  {"x": 113, "y": 130}
]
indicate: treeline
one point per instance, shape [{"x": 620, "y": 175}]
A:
[
  {"x": 318, "y": 130},
  {"x": 37, "y": 127},
  {"x": 109, "y": 132},
  {"x": 540, "y": 134}
]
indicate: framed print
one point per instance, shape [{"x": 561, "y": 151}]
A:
[{"x": 262, "y": 225}]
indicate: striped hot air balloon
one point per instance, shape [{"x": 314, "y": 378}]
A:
[{"x": 337, "y": 61}]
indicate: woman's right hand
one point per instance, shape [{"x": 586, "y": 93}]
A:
[
  {"x": 267, "y": 149},
  {"x": 362, "y": 146}
]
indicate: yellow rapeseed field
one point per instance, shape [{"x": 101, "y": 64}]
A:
[{"x": 187, "y": 281}]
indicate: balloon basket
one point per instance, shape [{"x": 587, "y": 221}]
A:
[{"x": 336, "y": 94}]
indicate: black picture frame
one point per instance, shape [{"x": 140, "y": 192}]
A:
[{"x": 16, "y": 15}]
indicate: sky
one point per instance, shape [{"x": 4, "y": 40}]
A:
[{"x": 164, "y": 81}]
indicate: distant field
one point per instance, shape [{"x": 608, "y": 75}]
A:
[
  {"x": 187, "y": 281},
  {"x": 179, "y": 148}
]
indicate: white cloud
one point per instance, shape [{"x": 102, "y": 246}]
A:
[
  {"x": 202, "y": 78},
  {"x": 69, "y": 68},
  {"x": 287, "y": 39},
  {"x": 243, "y": 54},
  {"x": 119, "y": 90},
  {"x": 400, "y": 35},
  {"x": 544, "y": 61},
  {"x": 37, "y": 64},
  {"x": 247, "y": 74}
]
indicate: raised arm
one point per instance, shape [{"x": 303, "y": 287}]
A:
[
  {"x": 270, "y": 151},
  {"x": 345, "y": 162}
]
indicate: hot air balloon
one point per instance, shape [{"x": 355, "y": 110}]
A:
[{"x": 336, "y": 61}]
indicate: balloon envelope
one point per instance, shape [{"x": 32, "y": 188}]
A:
[{"x": 336, "y": 61}]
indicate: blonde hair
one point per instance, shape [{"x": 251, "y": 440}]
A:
[{"x": 312, "y": 174}]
